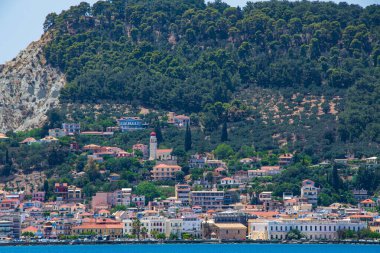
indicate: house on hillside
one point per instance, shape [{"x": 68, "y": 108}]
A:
[{"x": 131, "y": 123}]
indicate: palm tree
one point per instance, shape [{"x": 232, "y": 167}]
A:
[
  {"x": 144, "y": 232},
  {"x": 136, "y": 228}
]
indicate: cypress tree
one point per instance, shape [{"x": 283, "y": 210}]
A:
[
  {"x": 157, "y": 129},
  {"x": 188, "y": 138},
  {"x": 335, "y": 180},
  {"x": 224, "y": 135}
]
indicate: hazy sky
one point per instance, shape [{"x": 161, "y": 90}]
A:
[{"x": 21, "y": 20}]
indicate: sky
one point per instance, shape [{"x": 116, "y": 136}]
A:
[{"x": 21, "y": 20}]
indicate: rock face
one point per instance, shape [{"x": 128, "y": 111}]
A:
[{"x": 28, "y": 89}]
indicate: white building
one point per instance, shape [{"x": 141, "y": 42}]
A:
[
  {"x": 309, "y": 191},
  {"x": 227, "y": 181},
  {"x": 311, "y": 229},
  {"x": 152, "y": 223},
  {"x": 192, "y": 225},
  {"x": 173, "y": 227}
]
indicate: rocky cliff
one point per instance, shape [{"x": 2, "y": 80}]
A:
[{"x": 28, "y": 89}]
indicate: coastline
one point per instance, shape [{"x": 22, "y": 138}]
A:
[{"x": 37, "y": 243}]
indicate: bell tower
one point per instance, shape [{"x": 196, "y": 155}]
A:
[{"x": 153, "y": 146}]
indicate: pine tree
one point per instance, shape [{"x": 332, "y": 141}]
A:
[
  {"x": 224, "y": 135},
  {"x": 157, "y": 129},
  {"x": 188, "y": 138}
]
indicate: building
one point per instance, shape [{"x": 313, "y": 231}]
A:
[
  {"x": 264, "y": 171},
  {"x": 74, "y": 193},
  {"x": 165, "y": 155},
  {"x": 197, "y": 161},
  {"x": 10, "y": 225},
  {"x": 178, "y": 120},
  {"x": 227, "y": 181},
  {"x": 48, "y": 139},
  {"x": 100, "y": 201},
  {"x": 191, "y": 225},
  {"x": 141, "y": 147},
  {"x": 152, "y": 224},
  {"x": 61, "y": 190},
  {"x": 285, "y": 159},
  {"x": 311, "y": 229},
  {"x": 182, "y": 193},
  {"x": 164, "y": 171},
  {"x": 138, "y": 200},
  {"x": 265, "y": 196},
  {"x": 367, "y": 203},
  {"x": 181, "y": 120},
  {"x": 224, "y": 231},
  {"x": 120, "y": 197},
  {"x": 105, "y": 200},
  {"x": 131, "y": 123},
  {"x": 232, "y": 216},
  {"x": 310, "y": 192},
  {"x": 360, "y": 194},
  {"x": 208, "y": 200},
  {"x": 28, "y": 141},
  {"x": 38, "y": 196},
  {"x": 57, "y": 132},
  {"x": 153, "y": 146},
  {"x": 173, "y": 227},
  {"x": 100, "y": 227},
  {"x": 71, "y": 128},
  {"x": 6, "y": 229}
]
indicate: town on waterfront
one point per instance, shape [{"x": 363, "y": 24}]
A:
[
  {"x": 161, "y": 122},
  {"x": 209, "y": 201}
]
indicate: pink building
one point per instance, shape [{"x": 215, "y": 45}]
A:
[
  {"x": 142, "y": 147},
  {"x": 38, "y": 196},
  {"x": 100, "y": 201}
]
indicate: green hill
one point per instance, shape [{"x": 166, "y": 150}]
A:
[{"x": 295, "y": 75}]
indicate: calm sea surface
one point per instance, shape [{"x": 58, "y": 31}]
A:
[{"x": 196, "y": 248}]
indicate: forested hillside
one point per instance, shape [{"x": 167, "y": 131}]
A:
[{"x": 188, "y": 56}]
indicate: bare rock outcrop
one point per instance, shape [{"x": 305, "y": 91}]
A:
[{"x": 28, "y": 88}]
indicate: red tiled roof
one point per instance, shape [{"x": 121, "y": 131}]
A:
[{"x": 99, "y": 226}]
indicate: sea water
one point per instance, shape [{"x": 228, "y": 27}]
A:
[{"x": 195, "y": 248}]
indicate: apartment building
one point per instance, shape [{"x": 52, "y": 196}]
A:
[
  {"x": 182, "y": 193},
  {"x": 309, "y": 192},
  {"x": 164, "y": 171},
  {"x": 208, "y": 200}
]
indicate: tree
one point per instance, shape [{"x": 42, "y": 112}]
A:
[
  {"x": 136, "y": 228},
  {"x": 224, "y": 135},
  {"x": 188, "y": 138},
  {"x": 144, "y": 232},
  {"x": 148, "y": 189},
  {"x": 335, "y": 179},
  {"x": 179, "y": 176},
  {"x": 50, "y": 21},
  {"x": 294, "y": 234},
  {"x": 27, "y": 234},
  {"x": 157, "y": 129},
  {"x": 118, "y": 208},
  {"x": 223, "y": 151}
]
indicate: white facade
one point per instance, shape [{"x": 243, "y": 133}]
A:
[
  {"x": 311, "y": 229},
  {"x": 309, "y": 192},
  {"x": 173, "y": 226},
  {"x": 157, "y": 224},
  {"x": 153, "y": 146},
  {"x": 192, "y": 225}
]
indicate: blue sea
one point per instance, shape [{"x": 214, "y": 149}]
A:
[{"x": 196, "y": 248}]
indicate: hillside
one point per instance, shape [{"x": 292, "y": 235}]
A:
[
  {"x": 299, "y": 76},
  {"x": 29, "y": 88}
]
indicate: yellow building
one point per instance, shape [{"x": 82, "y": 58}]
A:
[{"x": 103, "y": 227}]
